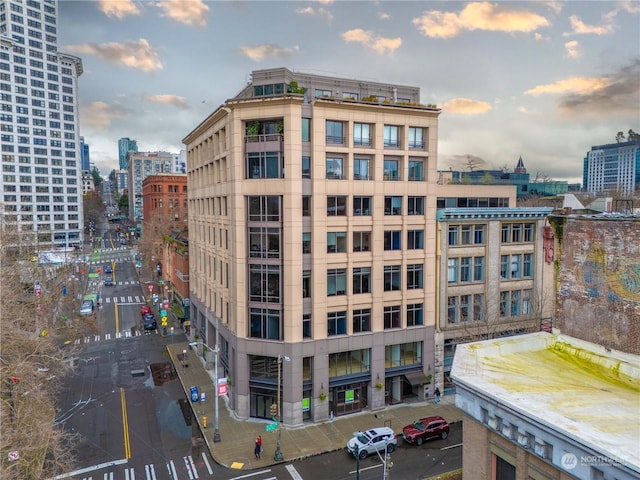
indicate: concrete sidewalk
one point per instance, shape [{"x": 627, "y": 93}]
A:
[{"x": 235, "y": 450}]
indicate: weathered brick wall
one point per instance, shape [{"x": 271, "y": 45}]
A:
[{"x": 599, "y": 281}]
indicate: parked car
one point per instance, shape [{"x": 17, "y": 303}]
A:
[
  {"x": 150, "y": 322},
  {"x": 86, "y": 308},
  {"x": 145, "y": 309},
  {"x": 366, "y": 443},
  {"x": 108, "y": 281},
  {"x": 425, "y": 429}
]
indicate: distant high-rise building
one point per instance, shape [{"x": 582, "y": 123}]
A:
[
  {"x": 41, "y": 183},
  {"x": 125, "y": 145},
  {"x": 614, "y": 167},
  {"x": 84, "y": 155},
  {"x": 141, "y": 165}
]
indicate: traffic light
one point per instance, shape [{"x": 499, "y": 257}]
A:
[{"x": 274, "y": 410}]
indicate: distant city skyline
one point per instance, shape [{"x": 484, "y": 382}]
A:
[{"x": 544, "y": 81}]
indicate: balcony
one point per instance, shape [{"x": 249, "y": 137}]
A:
[{"x": 271, "y": 142}]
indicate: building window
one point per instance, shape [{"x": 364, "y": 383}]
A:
[
  {"x": 416, "y": 138},
  {"x": 322, "y": 93},
  {"x": 415, "y": 276},
  {"x": 478, "y": 269},
  {"x": 465, "y": 269},
  {"x": 361, "y": 206},
  {"x": 264, "y": 209},
  {"x": 264, "y": 242},
  {"x": 392, "y": 278},
  {"x": 361, "y": 241},
  {"x": 349, "y": 363},
  {"x": 391, "y": 136},
  {"x": 264, "y": 283},
  {"x": 478, "y": 307},
  {"x": 306, "y": 166},
  {"x": 392, "y": 317},
  {"x": 361, "y": 169},
  {"x": 264, "y": 165},
  {"x": 361, "y": 280},
  {"x": 452, "y": 310},
  {"x": 306, "y": 325},
  {"x": 392, "y": 240},
  {"x": 415, "y": 239},
  {"x": 391, "y": 169},
  {"x": 415, "y": 314},
  {"x": 336, "y": 323},
  {"x": 527, "y": 265},
  {"x": 306, "y": 205},
  {"x": 415, "y": 206},
  {"x": 265, "y": 323},
  {"x": 514, "y": 303},
  {"x": 334, "y": 168},
  {"x": 528, "y": 232},
  {"x": 511, "y": 266},
  {"x": 403, "y": 354},
  {"x": 416, "y": 170},
  {"x": 478, "y": 234},
  {"x": 453, "y": 235},
  {"x": 362, "y": 134},
  {"x": 452, "y": 270},
  {"x": 336, "y": 242},
  {"x": 465, "y": 234},
  {"x": 517, "y": 232},
  {"x": 336, "y": 206},
  {"x": 335, "y": 132},
  {"x": 306, "y": 284},
  {"x": 336, "y": 282},
  {"x": 362, "y": 320},
  {"x": 393, "y": 205},
  {"x": 306, "y": 242},
  {"x": 306, "y": 129}
]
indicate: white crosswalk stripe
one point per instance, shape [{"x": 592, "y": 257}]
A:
[
  {"x": 172, "y": 470},
  {"x": 149, "y": 470}
]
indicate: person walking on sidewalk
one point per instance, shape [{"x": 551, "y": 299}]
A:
[
  {"x": 437, "y": 393},
  {"x": 257, "y": 450}
]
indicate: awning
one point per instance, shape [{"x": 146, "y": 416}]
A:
[{"x": 417, "y": 378}]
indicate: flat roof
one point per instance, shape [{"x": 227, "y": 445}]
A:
[{"x": 577, "y": 388}]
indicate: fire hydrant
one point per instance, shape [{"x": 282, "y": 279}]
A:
[{"x": 204, "y": 422}]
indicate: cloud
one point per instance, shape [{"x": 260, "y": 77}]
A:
[
  {"x": 578, "y": 27},
  {"x": 174, "y": 100},
  {"x": 579, "y": 85},
  {"x": 466, "y": 106},
  {"x": 384, "y": 16},
  {"x": 263, "y": 51},
  {"x": 380, "y": 45},
  {"x": 321, "y": 12},
  {"x": 139, "y": 55},
  {"x": 99, "y": 115},
  {"x": 573, "y": 49},
  {"x": 118, "y": 8},
  {"x": 189, "y": 12},
  {"x": 478, "y": 16}
]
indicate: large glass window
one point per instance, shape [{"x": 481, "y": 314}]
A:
[
  {"x": 392, "y": 317},
  {"x": 336, "y": 242},
  {"x": 336, "y": 281},
  {"x": 264, "y": 242},
  {"x": 335, "y": 132},
  {"x": 415, "y": 239},
  {"x": 361, "y": 206},
  {"x": 264, "y": 165},
  {"x": 306, "y": 284},
  {"x": 517, "y": 232},
  {"x": 264, "y": 282},
  {"x": 478, "y": 269},
  {"x": 336, "y": 206},
  {"x": 334, "y": 168},
  {"x": 362, "y": 320},
  {"x": 416, "y": 170},
  {"x": 306, "y": 242},
  {"x": 415, "y": 314},
  {"x": 452, "y": 270},
  {"x": 415, "y": 206},
  {"x": 264, "y": 209},
  {"x": 392, "y": 278},
  {"x": 361, "y": 280},
  {"x": 306, "y": 325},
  {"x": 527, "y": 265},
  {"x": 465, "y": 269},
  {"x": 265, "y": 323},
  {"x": 349, "y": 363},
  {"x": 415, "y": 276},
  {"x": 416, "y": 138},
  {"x": 306, "y": 205},
  {"x": 306, "y": 166},
  {"x": 392, "y": 240},
  {"x": 361, "y": 241},
  {"x": 393, "y": 205},
  {"x": 403, "y": 354},
  {"x": 336, "y": 323},
  {"x": 511, "y": 266},
  {"x": 306, "y": 129},
  {"x": 391, "y": 136},
  {"x": 362, "y": 134},
  {"x": 361, "y": 169},
  {"x": 391, "y": 169}
]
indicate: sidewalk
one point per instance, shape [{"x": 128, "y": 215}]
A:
[{"x": 235, "y": 450}]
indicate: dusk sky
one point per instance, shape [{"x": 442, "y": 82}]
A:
[{"x": 541, "y": 80}]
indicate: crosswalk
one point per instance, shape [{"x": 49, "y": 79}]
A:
[
  {"x": 95, "y": 283},
  {"x": 124, "y": 299},
  {"x": 110, "y": 336}
]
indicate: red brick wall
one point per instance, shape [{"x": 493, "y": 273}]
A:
[{"x": 599, "y": 281}]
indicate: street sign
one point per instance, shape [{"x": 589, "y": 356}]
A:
[
  {"x": 150, "y": 288},
  {"x": 194, "y": 394},
  {"x": 163, "y": 321},
  {"x": 37, "y": 289},
  {"x": 271, "y": 427},
  {"x": 222, "y": 386},
  {"x": 163, "y": 312}
]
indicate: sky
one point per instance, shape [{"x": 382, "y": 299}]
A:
[{"x": 540, "y": 80}]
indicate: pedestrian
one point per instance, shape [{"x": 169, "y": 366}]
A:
[
  {"x": 437, "y": 393},
  {"x": 257, "y": 450}
]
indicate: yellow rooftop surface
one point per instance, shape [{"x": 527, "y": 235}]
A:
[{"x": 577, "y": 388}]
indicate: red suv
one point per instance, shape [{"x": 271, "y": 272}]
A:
[
  {"x": 145, "y": 310},
  {"x": 424, "y": 429}
]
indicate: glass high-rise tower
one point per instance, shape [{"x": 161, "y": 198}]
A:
[
  {"x": 41, "y": 180},
  {"x": 125, "y": 145}
]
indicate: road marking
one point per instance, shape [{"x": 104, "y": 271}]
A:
[
  {"x": 150, "y": 472},
  {"x": 451, "y": 446},
  {"x": 129, "y": 474},
  {"x": 248, "y": 475},
  {"x": 108, "y": 476},
  {"x": 125, "y": 426},
  {"x": 293, "y": 472},
  {"x": 206, "y": 462},
  {"x": 91, "y": 469},
  {"x": 172, "y": 470},
  {"x": 367, "y": 468}
]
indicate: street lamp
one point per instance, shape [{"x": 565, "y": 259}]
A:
[
  {"x": 216, "y": 423},
  {"x": 277, "y": 456}
]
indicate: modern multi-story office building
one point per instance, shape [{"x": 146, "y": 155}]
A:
[
  {"x": 84, "y": 155},
  {"x": 614, "y": 167},
  {"x": 41, "y": 184},
  {"x": 125, "y": 145},
  {"x": 140, "y": 166},
  {"x": 312, "y": 232}
]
